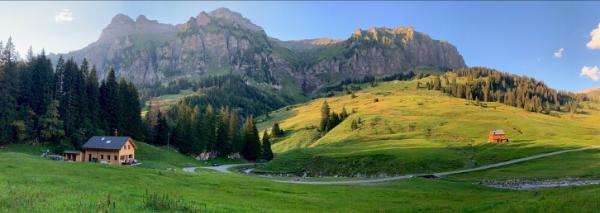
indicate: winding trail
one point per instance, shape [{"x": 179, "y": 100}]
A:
[
  {"x": 221, "y": 168},
  {"x": 225, "y": 169}
]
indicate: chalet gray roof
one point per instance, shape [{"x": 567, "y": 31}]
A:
[
  {"x": 498, "y": 132},
  {"x": 105, "y": 142}
]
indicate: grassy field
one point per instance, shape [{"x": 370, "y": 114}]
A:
[
  {"x": 165, "y": 102},
  {"x": 409, "y": 131},
  {"x": 31, "y": 184},
  {"x": 576, "y": 165}
]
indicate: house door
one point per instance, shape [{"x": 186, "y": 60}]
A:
[{"x": 89, "y": 157}]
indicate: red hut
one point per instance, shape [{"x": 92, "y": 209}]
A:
[{"x": 497, "y": 136}]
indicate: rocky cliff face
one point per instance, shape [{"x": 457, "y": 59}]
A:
[{"x": 224, "y": 42}]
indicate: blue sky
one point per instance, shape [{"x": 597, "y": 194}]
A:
[{"x": 516, "y": 37}]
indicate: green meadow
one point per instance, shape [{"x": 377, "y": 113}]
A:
[
  {"x": 29, "y": 183},
  {"x": 405, "y": 130}
]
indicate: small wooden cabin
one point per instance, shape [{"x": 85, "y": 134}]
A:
[
  {"x": 497, "y": 136},
  {"x": 105, "y": 149}
]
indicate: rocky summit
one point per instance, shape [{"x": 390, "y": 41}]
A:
[{"x": 224, "y": 42}]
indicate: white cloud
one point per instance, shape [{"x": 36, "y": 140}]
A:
[
  {"x": 595, "y": 42},
  {"x": 558, "y": 53},
  {"x": 64, "y": 16},
  {"x": 591, "y": 72}
]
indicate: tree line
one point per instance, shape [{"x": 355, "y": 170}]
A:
[
  {"x": 330, "y": 119},
  {"x": 489, "y": 85},
  {"x": 62, "y": 105},
  {"x": 226, "y": 90},
  {"x": 207, "y": 132}
]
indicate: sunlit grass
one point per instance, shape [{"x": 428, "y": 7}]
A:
[{"x": 421, "y": 130}]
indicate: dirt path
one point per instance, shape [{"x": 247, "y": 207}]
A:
[
  {"x": 225, "y": 169},
  {"x": 221, "y": 168}
]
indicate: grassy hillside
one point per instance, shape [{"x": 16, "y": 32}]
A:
[
  {"x": 577, "y": 164},
  {"x": 31, "y": 184},
  {"x": 410, "y": 130}
]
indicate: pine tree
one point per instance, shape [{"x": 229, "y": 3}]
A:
[
  {"x": 93, "y": 102},
  {"x": 324, "y": 117},
  {"x": 252, "y": 147},
  {"x": 234, "y": 133},
  {"x": 344, "y": 114},
  {"x": 151, "y": 121},
  {"x": 276, "y": 130},
  {"x": 8, "y": 88},
  {"x": 161, "y": 130},
  {"x": 354, "y": 125},
  {"x": 130, "y": 122},
  {"x": 209, "y": 127},
  {"x": 182, "y": 134},
  {"x": 223, "y": 146},
  {"x": 51, "y": 125},
  {"x": 109, "y": 103},
  {"x": 267, "y": 153}
]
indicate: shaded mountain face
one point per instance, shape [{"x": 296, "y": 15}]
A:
[{"x": 224, "y": 42}]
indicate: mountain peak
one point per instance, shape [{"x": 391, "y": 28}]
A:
[
  {"x": 121, "y": 19},
  {"x": 234, "y": 17},
  {"x": 122, "y": 25}
]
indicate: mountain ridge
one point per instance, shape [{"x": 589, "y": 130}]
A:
[{"x": 224, "y": 42}]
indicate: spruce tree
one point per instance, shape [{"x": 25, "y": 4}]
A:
[
  {"x": 8, "y": 89},
  {"x": 161, "y": 130},
  {"x": 93, "y": 104},
  {"x": 234, "y": 133},
  {"x": 324, "y": 117},
  {"x": 51, "y": 125},
  {"x": 222, "y": 138},
  {"x": 267, "y": 153},
  {"x": 252, "y": 147},
  {"x": 276, "y": 130},
  {"x": 109, "y": 103},
  {"x": 209, "y": 127}
]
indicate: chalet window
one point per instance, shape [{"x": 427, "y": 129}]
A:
[
  {"x": 108, "y": 156},
  {"x": 116, "y": 157},
  {"x": 122, "y": 157},
  {"x": 130, "y": 156},
  {"x": 101, "y": 156}
]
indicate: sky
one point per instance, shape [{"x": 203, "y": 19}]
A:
[{"x": 556, "y": 42}]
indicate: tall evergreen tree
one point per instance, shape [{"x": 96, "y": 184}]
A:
[
  {"x": 324, "y": 117},
  {"x": 51, "y": 126},
  {"x": 252, "y": 147},
  {"x": 234, "y": 133},
  {"x": 109, "y": 103},
  {"x": 210, "y": 137},
  {"x": 8, "y": 88},
  {"x": 267, "y": 153},
  {"x": 223, "y": 146},
  {"x": 276, "y": 130},
  {"x": 161, "y": 130},
  {"x": 93, "y": 102}
]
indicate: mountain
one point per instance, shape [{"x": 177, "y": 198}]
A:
[
  {"x": 592, "y": 92},
  {"x": 224, "y": 42},
  {"x": 306, "y": 44}
]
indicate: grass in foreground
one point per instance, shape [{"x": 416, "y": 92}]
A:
[{"x": 30, "y": 184}]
